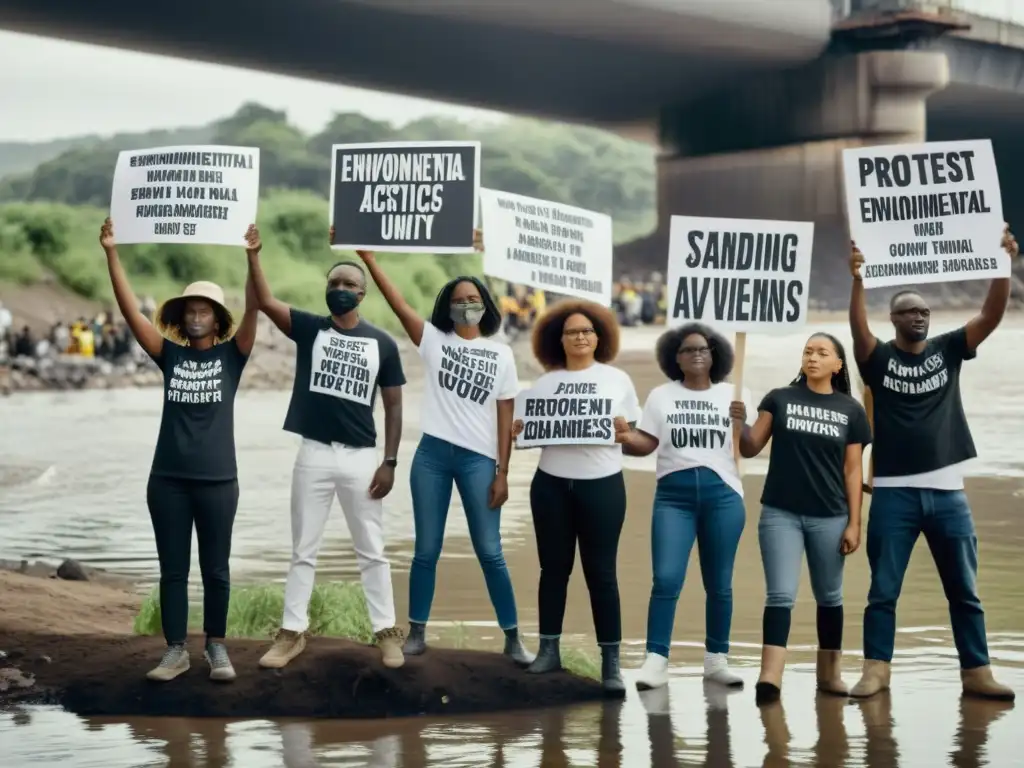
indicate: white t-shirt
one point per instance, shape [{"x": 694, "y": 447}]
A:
[
  {"x": 693, "y": 429},
  {"x": 464, "y": 380},
  {"x": 589, "y": 462}
]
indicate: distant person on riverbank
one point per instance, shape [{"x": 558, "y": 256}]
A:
[
  {"x": 470, "y": 388},
  {"x": 578, "y": 493},
  {"x": 341, "y": 361},
  {"x": 699, "y": 495},
  {"x": 194, "y": 476},
  {"x": 811, "y": 503},
  {"x": 922, "y": 443},
  {"x": 60, "y": 338}
]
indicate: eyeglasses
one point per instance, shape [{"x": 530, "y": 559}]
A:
[
  {"x": 578, "y": 333},
  {"x": 694, "y": 351},
  {"x": 913, "y": 311}
]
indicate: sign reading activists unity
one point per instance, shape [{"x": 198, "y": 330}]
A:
[
  {"x": 926, "y": 213},
  {"x": 742, "y": 275},
  {"x": 344, "y": 366},
  {"x": 205, "y": 195},
  {"x": 546, "y": 245},
  {"x": 557, "y": 412},
  {"x": 406, "y": 197}
]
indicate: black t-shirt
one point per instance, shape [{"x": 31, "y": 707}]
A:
[
  {"x": 810, "y": 432},
  {"x": 197, "y": 429},
  {"x": 920, "y": 424},
  {"x": 337, "y": 372}
]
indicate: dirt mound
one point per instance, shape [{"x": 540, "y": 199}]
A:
[{"x": 105, "y": 675}]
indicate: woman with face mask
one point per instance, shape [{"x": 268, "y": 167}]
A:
[
  {"x": 466, "y": 417},
  {"x": 194, "y": 477}
]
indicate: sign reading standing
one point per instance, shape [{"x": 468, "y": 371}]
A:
[
  {"x": 741, "y": 275},
  {"x": 206, "y": 195},
  {"x": 564, "y": 413},
  {"x": 405, "y": 197},
  {"x": 926, "y": 213},
  {"x": 546, "y": 245}
]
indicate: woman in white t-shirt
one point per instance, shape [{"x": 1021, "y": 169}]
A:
[
  {"x": 578, "y": 494},
  {"x": 699, "y": 495},
  {"x": 470, "y": 385}
]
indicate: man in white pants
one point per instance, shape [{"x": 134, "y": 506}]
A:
[{"x": 341, "y": 361}]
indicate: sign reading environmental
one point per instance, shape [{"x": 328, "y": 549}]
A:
[
  {"x": 205, "y": 195},
  {"x": 405, "y": 197},
  {"x": 926, "y": 213},
  {"x": 556, "y": 412},
  {"x": 546, "y": 245},
  {"x": 742, "y": 275}
]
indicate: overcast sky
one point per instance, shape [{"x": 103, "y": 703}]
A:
[{"x": 52, "y": 89}]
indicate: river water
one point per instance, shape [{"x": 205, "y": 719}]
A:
[{"x": 73, "y": 468}]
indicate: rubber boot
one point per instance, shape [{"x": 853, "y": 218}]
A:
[
  {"x": 874, "y": 679},
  {"x": 978, "y": 683},
  {"x": 769, "y": 683},
  {"x": 549, "y": 658},
  {"x": 611, "y": 676},
  {"x": 830, "y": 673},
  {"x": 416, "y": 641},
  {"x": 515, "y": 649}
]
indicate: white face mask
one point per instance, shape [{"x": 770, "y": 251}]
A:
[{"x": 467, "y": 314}]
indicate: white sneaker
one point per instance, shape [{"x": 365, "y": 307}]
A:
[
  {"x": 653, "y": 674},
  {"x": 716, "y": 670}
]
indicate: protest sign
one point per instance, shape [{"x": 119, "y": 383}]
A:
[
  {"x": 557, "y": 412},
  {"x": 742, "y": 275},
  {"x": 405, "y": 197},
  {"x": 205, "y": 195},
  {"x": 925, "y": 213},
  {"x": 344, "y": 366},
  {"x": 545, "y": 245}
]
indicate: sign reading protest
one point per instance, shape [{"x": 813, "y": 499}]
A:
[
  {"x": 926, "y": 213},
  {"x": 405, "y": 197},
  {"x": 546, "y": 245},
  {"x": 740, "y": 275},
  {"x": 564, "y": 413},
  {"x": 206, "y": 195}
]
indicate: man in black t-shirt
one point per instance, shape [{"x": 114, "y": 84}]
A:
[
  {"x": 341, "y": 361},
  {"x": 921, "y": 442}
]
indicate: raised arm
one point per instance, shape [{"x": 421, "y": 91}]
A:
[
  {"x": 279, "y": 313},
  {"x": 407, "y": 316},
  {"x": 146, "y": 334},
  {"x": 864, "y": 340},
  {"x": 981, "y": 326}
]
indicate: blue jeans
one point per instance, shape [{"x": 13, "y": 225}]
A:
[
  {"x": 693, "y": 505},
  {"x": 784, "y": 537},
  {"x": 435, "y": 467},
  {"x": 898, "y": 517}
]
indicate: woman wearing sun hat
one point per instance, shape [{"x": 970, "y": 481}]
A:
[{"x": 193, "y": 479}]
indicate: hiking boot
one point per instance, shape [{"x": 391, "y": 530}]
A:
[
  {"x": 611, "y": 675},
  {"x": 287, "y": 645},
  {"x": 515, "y": 649},
  {"x": 654, "y": 673},
  {"x": 979, "y": 683},
  {"x": 716, "y": 670},
  {"x": 549, "y": 658},
  {"x": 220, "y": 665},
  {"x": 830, "y": 673},
  {"x": 390, "y": 643},
  {"x": 175, "y": 661},
  {"x": 874, "y": 679},
  {"x": 416, "y": 642}
]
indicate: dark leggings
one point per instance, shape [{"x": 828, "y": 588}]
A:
[
  {"x": 590, "y": 512},
  {"x": 174, "y": 505}
]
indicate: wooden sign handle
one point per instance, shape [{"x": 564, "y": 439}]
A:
[{"x": 737, "y": 378}]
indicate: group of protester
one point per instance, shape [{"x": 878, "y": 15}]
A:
[{"x": 811, "y": 500}]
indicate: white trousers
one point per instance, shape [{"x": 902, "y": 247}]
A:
[{"x": 322, "y": 472}]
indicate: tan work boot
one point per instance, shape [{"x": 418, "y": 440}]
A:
[
  {"x": 980, "y": 684},
  {"x": 874, "y": 679},
  {"x": 175, "y": 661},
  {"x": 287, "y": 645},
  {"x": 769, "y": 683},
  {"x": 830, "y": 673},
  {"x": 390, "y": 643}
]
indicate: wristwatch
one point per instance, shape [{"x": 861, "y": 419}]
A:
[{"x": 391, "y": 462}]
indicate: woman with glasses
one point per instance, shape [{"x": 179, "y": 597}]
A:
[{"x": 699, "y": 496}]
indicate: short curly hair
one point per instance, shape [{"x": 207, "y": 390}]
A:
[
  {"x": 667, "y": 351},
  {"x": 547, "y": 332}
]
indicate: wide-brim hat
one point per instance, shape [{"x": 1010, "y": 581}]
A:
[{"x": 170, "y": 314}]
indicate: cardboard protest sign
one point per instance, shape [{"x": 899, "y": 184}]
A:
[
  {"x": 926, "y": 213},
  {"x": 405, "y": 197},
  {"x": 545, "y": 245},
  {"x": 557, "y": 412},
  {"x": 742, "y": 275},
  {"x": 206, "y": 195}
]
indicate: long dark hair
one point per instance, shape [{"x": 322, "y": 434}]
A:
[
  {"x": 840, "y": 379},
  {"x": 441, "y": 317}
]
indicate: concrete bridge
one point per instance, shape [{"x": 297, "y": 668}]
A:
[{"x": 750, "y": 101}]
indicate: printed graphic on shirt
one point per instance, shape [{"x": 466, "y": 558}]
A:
[
  {"x": 344, "y": 366},
  {"x": 930, "y": 376},
  {"x": 697, "y": 424},
  {"x": 196, "y": 383},
  {"x": 469, "y": 372},
  {"x": 565, "y": 413},
  {"x": 816, "y": 421}
]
